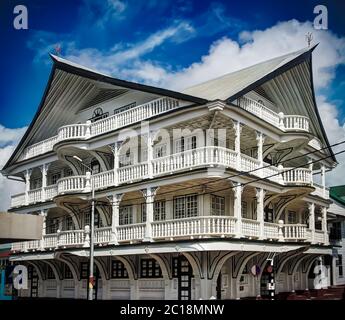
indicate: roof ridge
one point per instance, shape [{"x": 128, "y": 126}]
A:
[{"x": 293, "y": 53}]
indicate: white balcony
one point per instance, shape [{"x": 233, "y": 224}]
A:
[
  {"x": 186, "y": 228},
  {"x": 197, "y": 158},
  {"x": 88, "y": 130},
  {"x": 279, "y": 120},
  {"x": 194, "y": 227}
]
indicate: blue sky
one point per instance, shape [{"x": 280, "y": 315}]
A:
[
  {"x": 106, "y": 25},
  {"x": 167, "y": 43}
]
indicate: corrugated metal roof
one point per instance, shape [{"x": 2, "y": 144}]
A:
[{"x": 229, "y": 84}]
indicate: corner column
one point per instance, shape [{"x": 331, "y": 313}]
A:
[
  {"x": 238, "y": 209},
  {"x": 116, "y": 199},
  {"x": 311, "y": 207},
  {"x": 44, "y": 231},
  {"x": 260, "y": 196},
  {"x": 149, "y": 195},
  {"x": 27, "y": 185},
  {"x": 324, "y": 225},
  {"x": 44, "y": 170},
  {"x": 238, "y": 129},
  {"x": 260, "y": 138}
]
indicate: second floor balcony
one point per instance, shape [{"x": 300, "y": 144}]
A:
[
  {"x": 204, "y": 157},
  {"x": 85, "y": 131},
  {"x": 170, "y": 230}
]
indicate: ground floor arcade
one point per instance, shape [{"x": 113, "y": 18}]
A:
[{"x": 188, "y": 270}]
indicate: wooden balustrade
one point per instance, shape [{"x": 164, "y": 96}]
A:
[
  {"x": 196, "y": 226},
  {"x": 131, "y": 232},
  {"x": 250, "y": 228}
]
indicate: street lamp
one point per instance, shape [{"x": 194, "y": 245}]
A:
[{"x": 92, "y": 230}]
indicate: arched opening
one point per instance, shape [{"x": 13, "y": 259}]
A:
[{"x": 119, "y": 282}]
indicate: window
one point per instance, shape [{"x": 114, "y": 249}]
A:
[
  {"x": 174, "y": 267},
  {"x": 244, "y": 209},
  {"x": 149, "y": 268},
  {"x": 50, "y": 273},
  {"x": 291, "y": 217},
  {"x": 254, "y": 208},
  {"x": 95, "y": 166},
  {"x": 143, "y": 212},
  {"x": 126, "y": 215},
  {"x": 68, "y": 273},
  {"x": 68, "y": 172},
  {"x": 36, "y": 183},
  {"x": 179, "y": 145},
  {"x": 53, "y": 225},
  {"x": 69, "y": 223},
  {"x": 185, "y": 143},
  {"x": 87, "y": 219},
  {"x": 335, "y": 231},
  {"x": 186, "y": 206},
  {"x": 339, "y": 264},
  {"x": 84, "y": 270},
  {"x": 125, "y": 159},
  {"x": 55, "y": 177},
  {"x": 159, "y": 210},
  {"x": 160, "y": 151},
  {"x": 191, "y": 143},
  {"x": 118, "y": 270},
  {"x": 217, "y": 205}
]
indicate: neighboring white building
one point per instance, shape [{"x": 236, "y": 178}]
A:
[
  {"x": 336, "y": 227},
  {"x": 179, "y": 214}
]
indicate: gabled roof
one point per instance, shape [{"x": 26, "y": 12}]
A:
[
  {"x": 338, "y": 193},
  {"x": 77, "y": 69},
  {"x": 292, "y": 71},
  {"x": 63, "y": 75},
  {"x": 232, "y": 84},
  {"x": 269, "y": 74}
]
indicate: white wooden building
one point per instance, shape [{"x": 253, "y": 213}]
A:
[{"x": 193, "y": 189}]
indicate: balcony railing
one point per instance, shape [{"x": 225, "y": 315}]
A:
[
  {"x": 186, "y": 228},
  {"x": 88, "y": 130},
  {"x": 196, "y": 226},
  {"x": 295, "y": 232},
  {"x": 297, "y": 176},
  {"x": 279, "y": 120},
  {"x": 201, "y": 157}
]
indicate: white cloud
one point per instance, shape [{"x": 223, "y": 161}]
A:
[
  {"x": 336, "y": 133},
  {"x": 9, "y": 139},
  {"x": 227, "y": 55}
]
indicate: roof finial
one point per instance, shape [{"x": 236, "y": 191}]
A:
[
  {"x": 57, "y": 49},
  {"x": 309, "y": 38}
]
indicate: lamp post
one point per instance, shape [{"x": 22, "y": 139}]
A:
[{"x": 92, "y": 231}]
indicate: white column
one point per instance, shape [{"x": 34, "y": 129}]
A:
[
  {"x": 238, "y": 129},
  {"x": 238, "y": 209},
  {"x": 44, "y": 170},
  {"x": 323, "y": 180},
  {"x": 310, "y": 162},
  {"x": 27, "y": 185},
  {"x": 116, "y": 198},
  {"x": 260, "y": 138},
  {"x": 44, "y": 226},
  {"x": 311, "y": 207},
  {"x": 260, "y": 196},
  {"x": 324, "y": 224},
  {"x": 149, "y": 194},
  {"x": 116, "y": 153},
  {"x": 150, "y": 136}
]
